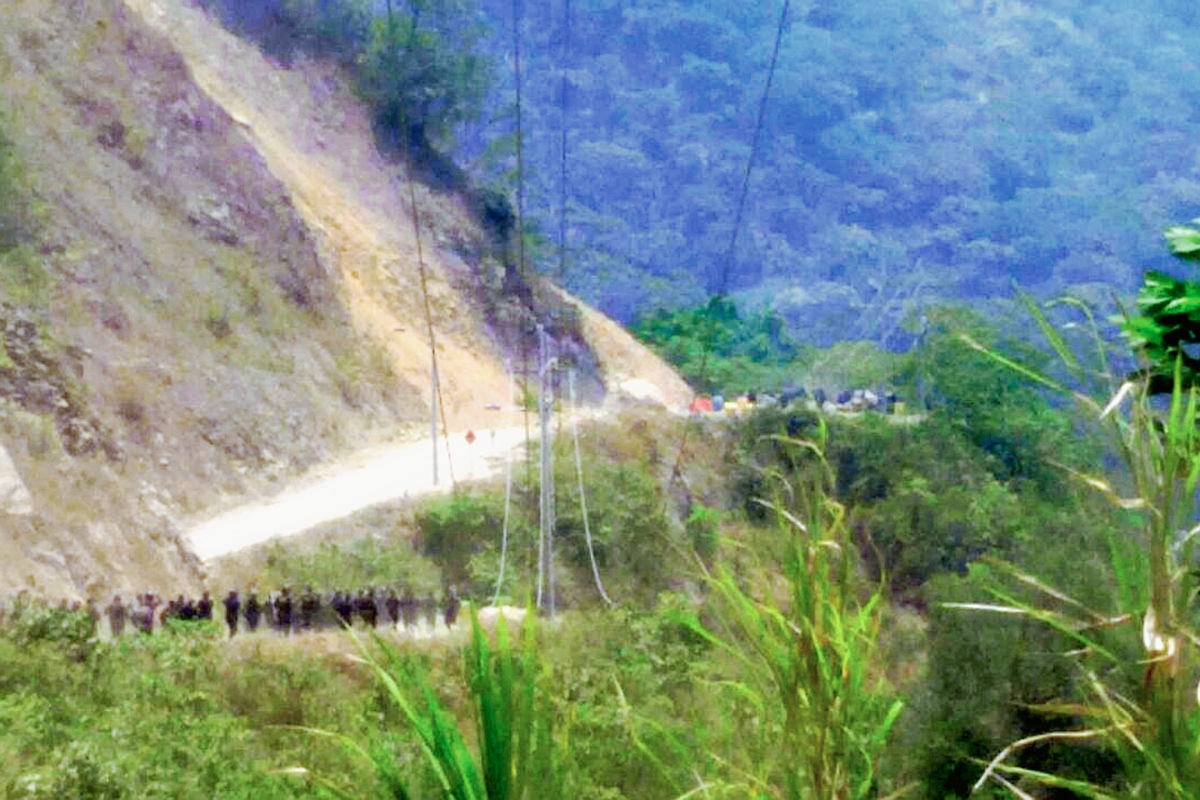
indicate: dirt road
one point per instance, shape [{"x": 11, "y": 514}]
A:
[{"x": 386, "y": 474}]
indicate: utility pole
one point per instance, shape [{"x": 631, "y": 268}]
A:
[{"x": 546, "y": 364}]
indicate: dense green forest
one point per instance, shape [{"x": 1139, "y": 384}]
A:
[{"x": 914, "y": 152}]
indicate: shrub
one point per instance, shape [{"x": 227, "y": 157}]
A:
[
  {"x": 703, "y": 527},
  {"x": 455, "y": 528}
]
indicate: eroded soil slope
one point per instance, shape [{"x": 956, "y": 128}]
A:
[
  {"x": 183, "y": 342},
  {"x": 228, "y": 291}
]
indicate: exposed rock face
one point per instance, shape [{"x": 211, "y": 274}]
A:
[
  {"x": 234, "y": 292},
  {"x": 15, "y": 499}
]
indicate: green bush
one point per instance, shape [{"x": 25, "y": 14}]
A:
[
  {"x": 358, "y": 563},
  {"x": 24, "y": 279},
  {"x": 703, "y": 527},
  {"x": 456, "y": 528},
  {"x": 719, "y": 349},
  {"x": 422, "y": 79},
  {"x": 16, "y": 204}
]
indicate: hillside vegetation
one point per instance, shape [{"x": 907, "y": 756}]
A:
[{"x": 784, "y": 623}]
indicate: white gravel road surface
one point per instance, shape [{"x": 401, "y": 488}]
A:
[{"x": 391, "y": 473}]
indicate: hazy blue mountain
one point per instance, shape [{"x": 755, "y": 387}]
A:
[{"x": 914, "y": 150}]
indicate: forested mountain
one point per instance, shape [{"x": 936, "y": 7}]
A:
[{"x": 913, "y": 150}]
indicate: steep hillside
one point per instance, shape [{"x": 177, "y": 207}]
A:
[{"x": 229, "y": 290}]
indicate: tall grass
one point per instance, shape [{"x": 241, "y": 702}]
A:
[
  {"x": 1153, "y": 728},
  {"x": 805, "y": 651},
  {"x": 519, "y": 754}
]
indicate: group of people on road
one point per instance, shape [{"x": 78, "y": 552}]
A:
[
  {"x": 284, "y": 611},
  {"x": 287, "y": 612},
  {"x": 851, "y": 400}
]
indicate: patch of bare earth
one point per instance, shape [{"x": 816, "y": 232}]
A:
[
  {"x": 235, "y": 289},
  {"x": 318, "y": 141}
]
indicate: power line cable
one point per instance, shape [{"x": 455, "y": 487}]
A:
[
  {"x": 416, "y": 222},
  {"x": 587, "y": 528},
  {"x": 507, "y": 503},
  {"x": 563, "y": 175},
  {"x": 412, "y": 199},
  {"x": 517, "y": 12},
  {"x": 723, "y": 286}
]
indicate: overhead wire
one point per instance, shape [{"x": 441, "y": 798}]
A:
[
  {"x": 518, "y": 14},
  {"x": 424, "y": 278},
  {"x": 507, "y": 506},
  {"x": 723, "y": 286},
  {"x": 522, "y": 265},
  {"x": 563, "y": 175},
  {"x": 587, "y": 528},
  {"x": 564, "y": 184}
]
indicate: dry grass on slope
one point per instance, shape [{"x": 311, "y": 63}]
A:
[
  {"x": 188, "y": 318},
  {"x": 318, "y": 140},
  {"x": 622, "y": 359}
]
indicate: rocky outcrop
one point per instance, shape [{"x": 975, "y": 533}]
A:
[{"x": 15, "y": 500}]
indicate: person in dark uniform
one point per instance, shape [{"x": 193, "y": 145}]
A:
[
  {"x": 452, "y": 606},
  {"x": 310, "y": 604},
  {"x": 393, "y": 607},
  {"x": 232, "y": 606},
  {"x": 343, "y": 607},
  {"x": 116, "y": 616},
  {"x": 283, "y": 611},
  {"x": 93, "y": 616},
  {"x": 186, "y": 608},
  {"x": 204, "y": 608},
  {"x": 409, "y": 608},
  {"x": 367, "y": 610},
  {"x": 253, "y": 611},
  {"x": 152, "y": 604}
]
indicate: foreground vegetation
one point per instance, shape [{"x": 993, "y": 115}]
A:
[
  {"x": 809, "y": 608},
  {"x": 819, "y": 556}
]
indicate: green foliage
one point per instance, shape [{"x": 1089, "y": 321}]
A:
[
  {"x": 421, "y": 72},
  {"x": 144, "y": 717},
  {"x": 16, "y": 222},
  {"x": 703, "y": 527},
  {"x": 1153, "y": 735},
  {"x": 1015, "y": 422},
  {"x": 361, "y": 562},
  {"x": 805, "y": 658},
  {"x": 418, "y": 64},
  {"x": 24, "y": 280},
  {"x": 905, "y": 164},
  {"x": 38, "y": 622},
  {"x": 853, "y": 365},
  {"x": 1167, "y": 326},
  {"x": 633, "y": 690},
  {"x": 635, "y": 542},
  {"x": 455, "y": 528},
  {"x": 520, "y": 753},
  {"x": 744, "y": 352},
  {"x": 979, "y": 475}
]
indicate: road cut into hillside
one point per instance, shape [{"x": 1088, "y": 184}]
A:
[{"x": 389, "y": 473}]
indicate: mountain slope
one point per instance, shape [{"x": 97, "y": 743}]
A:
[{"x": 233, "y": 293}]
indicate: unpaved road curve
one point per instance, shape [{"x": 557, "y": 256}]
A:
[{"x": 388, "y": 474}]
